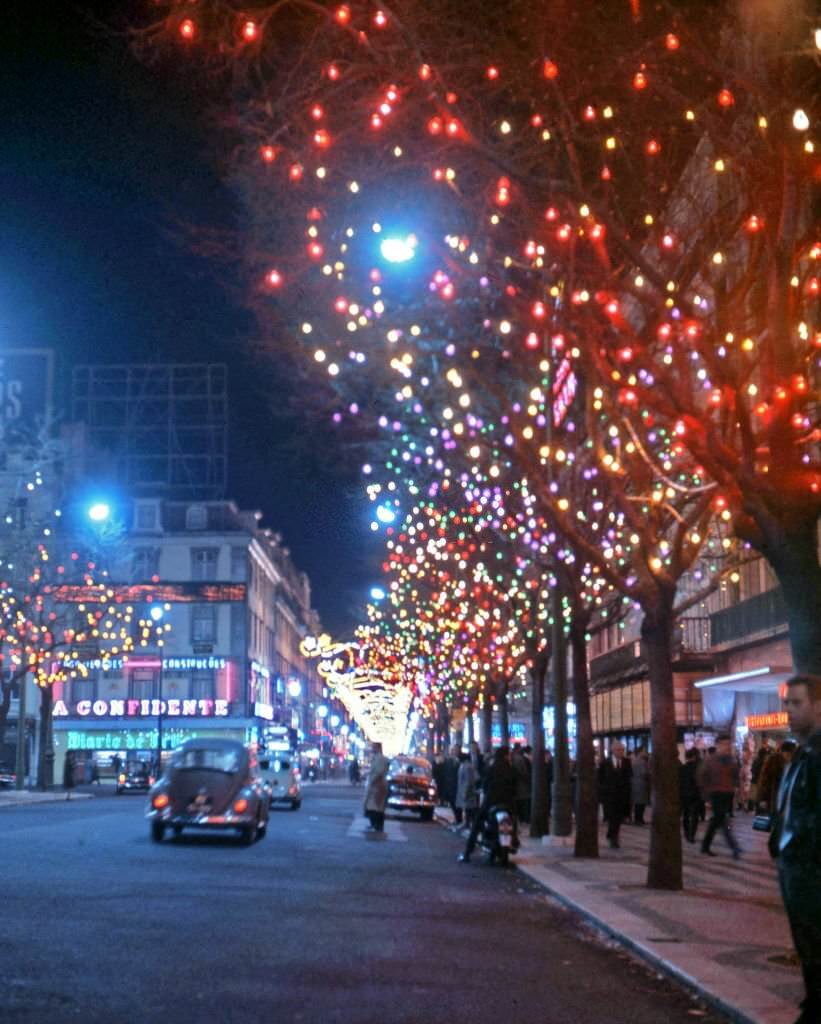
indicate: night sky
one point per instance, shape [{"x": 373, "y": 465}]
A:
[{"x": 102, "y": 161}]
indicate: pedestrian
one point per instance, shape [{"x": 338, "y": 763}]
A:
[
  {"x": 438, "y": 778},
  {"x": 614, "y": 791},
  {"x": 795, "y": 841},
  {"x": 354, "y": 773},
  {"x": 68, "y": 774},
  {"x": 499, "y": 790},
  {"x": 450, "y": 781},
  {"x": 467, "y": 789},
  {"x": 477, "y": 760},
  {"x": 719, "y": 781},
  {"x": 640, "y": 785},
  {"x": 376, "y": 790},
  {"x": 689, "y": 794},
  {"x": 771, "y": 775},
  {"x": 523, "y": 770},
  {"x": 758, "y": 766}
]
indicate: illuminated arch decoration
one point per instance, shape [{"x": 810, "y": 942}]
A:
[{"x": 380, "y": 708}]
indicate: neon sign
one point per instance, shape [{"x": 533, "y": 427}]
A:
[
  {"x": 144, "y": 708},
  {"x": 770, "y": 720}
]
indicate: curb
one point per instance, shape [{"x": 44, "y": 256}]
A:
[
  {"x": 44, "y": 798},
  {"x": 648, "y": 956}
]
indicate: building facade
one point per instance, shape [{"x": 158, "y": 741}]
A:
[{"x": 232, "y": 608}]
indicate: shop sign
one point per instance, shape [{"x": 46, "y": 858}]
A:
[
  {"x": 135, "y": 739},
  {"x": 171, "y": 664},
  {"x": 147, "y": 708},
  {"x": 770, "y": 720},
  {"x": 264, "y": 711}
]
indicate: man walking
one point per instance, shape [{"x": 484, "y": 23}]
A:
[
  {"x": 615, "y": 772},
  {"x": 795, "y": 841},
  {"x": 718, "y": 782}
]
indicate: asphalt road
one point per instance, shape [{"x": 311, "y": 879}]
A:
[{"x": 317, "y": 923}]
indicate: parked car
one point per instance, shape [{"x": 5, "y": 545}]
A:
[
  {"x": 134, "y": 777},
  {"x": 211, "y": 784},
  {"x": 280, "y": 773},
  {"x": 411, "y": 786}
]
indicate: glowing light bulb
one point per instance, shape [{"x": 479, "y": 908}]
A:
[
  {"x": 188, "y": 29},
  {"x": 800, "y": 121}
]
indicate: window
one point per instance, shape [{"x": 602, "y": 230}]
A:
[
  {"x": 219, "y": 760},
  {"x": 146, "y": 515},
  {"x": 204, "y": 563},
  {"x": 144, "y": 683},
  {"x": 145, "y": 564},
  {"x": 196, "y": 517},
  {"x": 202, "y": 684},
  {"x": 203, "y": 624},
  {"x": 239, "y": 564}
]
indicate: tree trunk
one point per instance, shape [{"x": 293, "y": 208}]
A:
[
  {"x": 793, "y": 555},
  {"x": 469, "y": 723},
  {"x": 5, "y": 704},
  {"x": 664, "y": 868},
  {"x": 587, "y": 798},
  {"x": 539, "y": 821},
  {"x": 504, "y": 714},
  {"x": 487, "y": 719},
  {"x": 45, "y": 756}
]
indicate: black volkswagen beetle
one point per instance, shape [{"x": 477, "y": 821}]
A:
[{"x": 210, "y": 784}]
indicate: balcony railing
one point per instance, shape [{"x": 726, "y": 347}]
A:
[
  {"x": 755, "y": 615},
  {"x": 690, "y": 636}
]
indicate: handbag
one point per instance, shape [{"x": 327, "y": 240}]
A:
[{"x": 763, "y": 823}]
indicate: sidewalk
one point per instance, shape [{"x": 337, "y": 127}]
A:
[
  {"x": 726, "y": 935},
  {"x": 20, "y": 797}
]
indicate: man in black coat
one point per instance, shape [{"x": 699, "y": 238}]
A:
[
  {"x": 615, "y": 772},
  {"x": 795, "y": 841},
  {"x": 498, "y": 790}
]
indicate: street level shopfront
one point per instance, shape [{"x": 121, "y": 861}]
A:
[{"x": 747, "y": 703}]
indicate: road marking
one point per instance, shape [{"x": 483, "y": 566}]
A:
[{"x": 393, "y": 830}]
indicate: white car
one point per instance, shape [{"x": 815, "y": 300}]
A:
[{"x": 280, "y": 773}]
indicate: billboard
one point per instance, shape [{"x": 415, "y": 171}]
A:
[{"x": 26, "y": 391}]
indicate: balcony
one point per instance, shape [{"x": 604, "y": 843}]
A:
[
  {"x": 691, "y": 642},
  {"x": 763, "y": 613}
]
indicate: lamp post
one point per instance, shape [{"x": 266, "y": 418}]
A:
[{"x": 156, "y": 614}]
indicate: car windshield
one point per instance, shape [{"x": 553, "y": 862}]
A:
[
  {"x": 208, "y": 759},
  {"x": 401, "y": 767}
]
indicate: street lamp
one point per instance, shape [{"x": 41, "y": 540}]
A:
[
  {"x": 399, "y": 250},
  {"x": 99, "y": 512},
  {"x": 156, "y": 614}
]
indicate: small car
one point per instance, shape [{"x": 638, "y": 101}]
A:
[
  {"x": 411, "y": 786},
  {"x": 280, "y": 773},
  {"x": 210, "y": 784},
  {"x": 134, "y": 777}
]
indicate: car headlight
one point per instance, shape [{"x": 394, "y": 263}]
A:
[
  {"x": 431, "y": 790},
  {"x": 160, "y": 801}
]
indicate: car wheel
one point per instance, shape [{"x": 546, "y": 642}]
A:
[
  {"x": 157, "y": 831},
  {"x": 248, "y": 834},
  {"x": 426, "y": 814},
  {"x": 295, "y": 805},
  {"x": 262, "y": 829}
]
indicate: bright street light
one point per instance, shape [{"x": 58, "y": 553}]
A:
[
  {"x": 99, "y": 512},
  {"x": 398, "y": 250},
  {"x": 156, "y": 613}
]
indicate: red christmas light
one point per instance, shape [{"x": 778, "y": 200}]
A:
[
  {"x": 188, "y": 29},
  {"x": 268, "y": 154},
  {"x": 250, "y": 31},
  {"x": 435, "y": 126},
  {"x": 274, "y": 278},
  {"x": 639, "y": 81},
  {"x": 343, "y": 14},
  {"x": 492, "y": 73},
  {"x": 726, "y": 98},
  {"x": 549, "y": 69},
  {"x": 653, "y": 148},
  {"x": 380, "y": 19},
  {"x": 332, "y": 71},
  {"x": 295, "y": 172},
  {"x": 322, "y": 138},
  {"x": 753, "y": 223},
  {"x": 671, "y": 41},
  {"x": 425, "y": 72}
]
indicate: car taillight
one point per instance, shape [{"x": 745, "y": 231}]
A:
[
  {"x": 160, "y": 801},
  {"x": 241, "y": 805},
  {"x": 121, "y": 778}
]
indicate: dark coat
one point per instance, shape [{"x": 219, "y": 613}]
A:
[
  {"x": 499, "y": 785},
  {"x": 796, "y": 833},
  {"x": 688, "y": 784},
  {"x": 614, "y": 787},
  {"x": 450, "y": 779}
]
